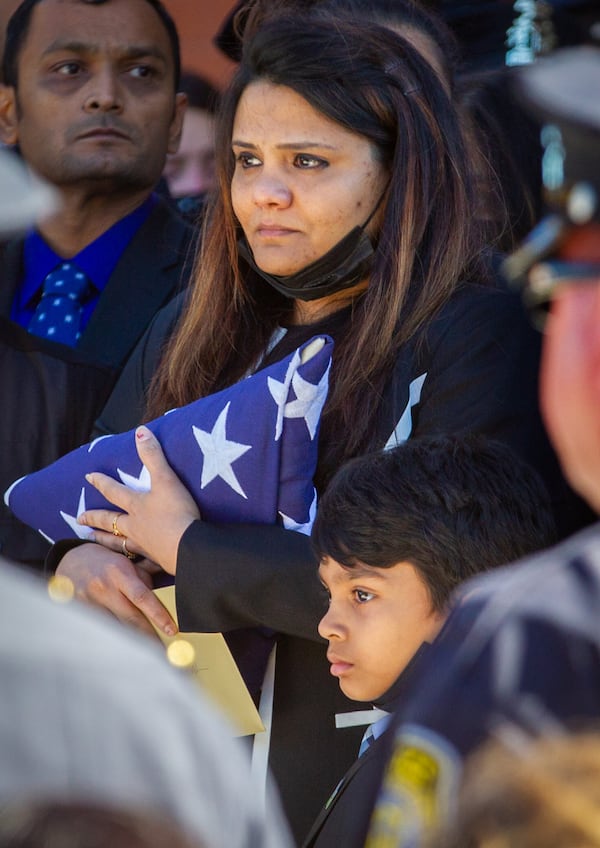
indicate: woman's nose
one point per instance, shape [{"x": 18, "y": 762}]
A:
[{"x": 271, "y": 190}]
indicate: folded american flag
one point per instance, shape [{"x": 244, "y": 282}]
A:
[{"x": 246, "y": 454}]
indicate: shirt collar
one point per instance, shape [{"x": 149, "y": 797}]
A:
[{"x": 98, "y": 260}]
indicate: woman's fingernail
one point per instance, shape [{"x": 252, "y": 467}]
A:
[
  {"x": 170, "y": 630},
  {"x": 88, "y": 477},
  {"x": 142, "y": 433}
]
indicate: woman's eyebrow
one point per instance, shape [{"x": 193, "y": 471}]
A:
[
  {"x": 288, "y": 145},
  {"x": 294, "y": 145}
]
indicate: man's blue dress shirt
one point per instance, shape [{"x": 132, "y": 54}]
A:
[{"x": 98, "y": 261}]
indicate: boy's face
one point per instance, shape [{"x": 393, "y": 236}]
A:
[{"x": 377, "y": 620}]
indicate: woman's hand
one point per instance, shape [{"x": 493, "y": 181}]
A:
[
  {"x": 153, "y": 522},
  {"x": 110, "y": 580}
]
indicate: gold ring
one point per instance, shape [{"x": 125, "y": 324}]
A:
[
  {"x": 129, "y": 554},
  {"x": 115, "y": 529}
]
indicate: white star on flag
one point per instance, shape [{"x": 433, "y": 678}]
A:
[
  {"x": 142, "y": 483},
  {"x": 309, "y": 401},
  {"x": 10, "y": 488},
  {"x": 290, "y": 524},
  {"x": 97, "y": 441},
  {"x": 219, "y": 453},
  {"x": 80, "y": 530},
  {"x": 280, "y": 392}
]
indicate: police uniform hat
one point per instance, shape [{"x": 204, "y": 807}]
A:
[{"x": 564, "y": 91}]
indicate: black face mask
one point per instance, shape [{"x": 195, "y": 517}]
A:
[{"x": 346, "y": 264}]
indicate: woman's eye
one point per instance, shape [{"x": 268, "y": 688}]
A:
[
  {"x": 306, "y": 162},
  {"x": 362, "y": 597},
  {"x": 247, "y": 160}
]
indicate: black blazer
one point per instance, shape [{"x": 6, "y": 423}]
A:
[
  {"x": 343, "y": 819},
  {"x": 52, "y": 394},
  {"x": 155, "y": 265}
]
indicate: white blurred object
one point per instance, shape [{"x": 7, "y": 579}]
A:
[
  {"x": 24, "y": 199},
  {"x": 531, "y": 34}
]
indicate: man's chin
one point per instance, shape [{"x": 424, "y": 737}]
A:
[{"x": 109, "y": 176}]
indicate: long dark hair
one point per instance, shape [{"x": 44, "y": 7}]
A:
[{"x": 374, "y": 83}]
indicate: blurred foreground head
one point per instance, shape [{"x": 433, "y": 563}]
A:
[
  {"x": 531, "y": 794},
  {"x": 23, "y": 199},
  {"x": 79, "y": 824},
  {"x": 558, "y": 265}
]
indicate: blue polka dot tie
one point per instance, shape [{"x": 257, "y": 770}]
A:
[{"x": 58, "y": 314}]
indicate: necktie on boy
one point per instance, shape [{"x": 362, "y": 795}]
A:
[
  {"x": 367, "y": 740},
  {"x": 58, "y": 314},
  {"x": 374, "y": 731}
]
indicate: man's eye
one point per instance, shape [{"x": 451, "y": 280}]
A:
[
  {"x": 141, "y": 71},
  {"x": 306, "y": 162},
  {"x": 68, "y": 69},
  {"x": 247, "y": 160},
  {"x": 362, "y": 597}
]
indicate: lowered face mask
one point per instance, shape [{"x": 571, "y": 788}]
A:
[
  {"x": 347, "y": 263},
  {"x": 343, "y": 266}
]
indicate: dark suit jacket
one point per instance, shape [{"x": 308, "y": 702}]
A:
[
  {"x": 342, "y": 820},
  {"x": 152, "y": 269},
  {"x": 52, "y": 394}
]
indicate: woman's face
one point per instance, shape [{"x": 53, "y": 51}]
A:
[{"x": 301, "y": 181}]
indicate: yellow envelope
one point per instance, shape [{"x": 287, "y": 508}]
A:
[{"x": 215, "y": 670}]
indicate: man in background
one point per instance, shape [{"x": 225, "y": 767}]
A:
[
  {"x": 190, "y": 171},
  {"x": 91, "y": 101}
]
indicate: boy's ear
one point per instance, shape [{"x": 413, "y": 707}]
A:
[{"x": 8, "y": 115}]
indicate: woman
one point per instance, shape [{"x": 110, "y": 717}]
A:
[{"x": 343, "y": 208}]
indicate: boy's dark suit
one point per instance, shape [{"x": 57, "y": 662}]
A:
[
  {"x": 342, "y": 819},
  {"x": 151, "y": 270}
]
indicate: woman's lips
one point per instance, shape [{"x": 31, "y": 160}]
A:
[{"x": 273, "y": 231}]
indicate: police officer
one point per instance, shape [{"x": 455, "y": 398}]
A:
[{"x": 522, "y": 647}]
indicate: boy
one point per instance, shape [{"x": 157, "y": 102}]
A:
[{"x": 395, "y": 533}]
